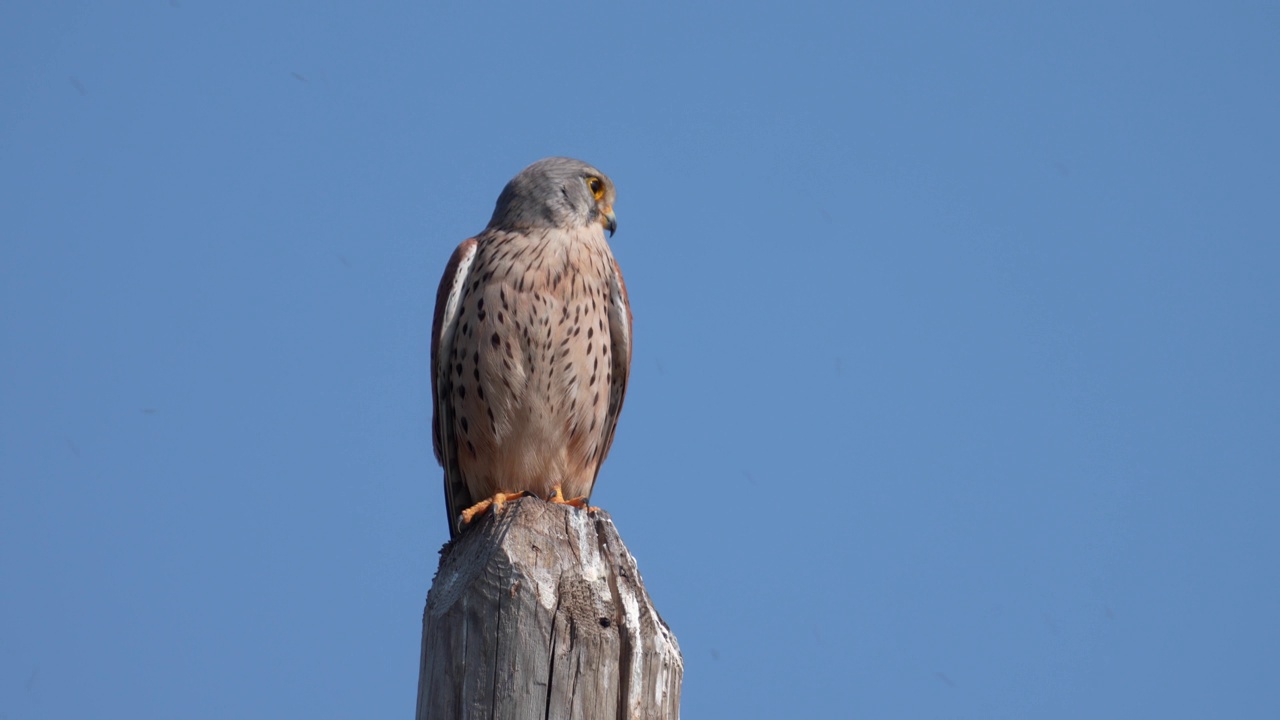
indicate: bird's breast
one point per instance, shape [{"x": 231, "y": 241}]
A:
[{"x": 532, "y": 361}]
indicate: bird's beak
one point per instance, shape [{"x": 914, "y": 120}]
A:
[{"x": 609, "y": 221}]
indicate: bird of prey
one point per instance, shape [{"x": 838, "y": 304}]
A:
[{"x": 531, "y": 345}]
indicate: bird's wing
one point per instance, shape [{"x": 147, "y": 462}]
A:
[
  {"x": 443, "y": 432},
  {"x": 620, "y": 352}
]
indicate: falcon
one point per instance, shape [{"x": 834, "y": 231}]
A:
[{"x": 531, "y": 345}]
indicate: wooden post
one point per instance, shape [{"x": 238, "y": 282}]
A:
[{"x": 540, "y": 613}]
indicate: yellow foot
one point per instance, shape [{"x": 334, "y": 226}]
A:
[
  {"x": 578, "y": 502},
  {"x": 496, "y": 502}
]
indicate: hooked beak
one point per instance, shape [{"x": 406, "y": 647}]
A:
[{"x": 609, "y": 222}]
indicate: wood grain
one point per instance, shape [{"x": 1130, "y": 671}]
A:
[{"x": 541, "y": 613}]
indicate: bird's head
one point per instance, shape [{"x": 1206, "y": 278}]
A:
[{"x": 556, "y": 192}]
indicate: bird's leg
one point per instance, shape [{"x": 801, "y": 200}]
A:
[
  {"x": 578, "y": 502},
  {"x": 496, "y": 502}
]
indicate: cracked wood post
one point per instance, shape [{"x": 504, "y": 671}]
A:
[{"x": 540, "y": 613}]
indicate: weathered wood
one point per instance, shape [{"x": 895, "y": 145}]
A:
[{"x": 541, "y": 613}]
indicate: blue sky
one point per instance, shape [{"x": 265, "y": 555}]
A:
[{"x": 954, "y": 389}]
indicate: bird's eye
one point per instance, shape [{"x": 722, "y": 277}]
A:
[{"x": 596, "y": 185}]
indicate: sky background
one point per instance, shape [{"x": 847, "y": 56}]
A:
[{"x": 957, "y": 333}]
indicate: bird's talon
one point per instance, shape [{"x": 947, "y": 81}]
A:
[
  {"x": 497, "y": 502},
  {"x": 470, "y": 513},
  {"x": 558, "y": 498}
]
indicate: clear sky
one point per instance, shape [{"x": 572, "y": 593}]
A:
[{"x": 957, "y": 334}]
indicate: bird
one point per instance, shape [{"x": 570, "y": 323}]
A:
[{"x": 531, "y": 345}]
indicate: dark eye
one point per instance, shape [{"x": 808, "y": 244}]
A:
[{"x": 596, "y": 185}]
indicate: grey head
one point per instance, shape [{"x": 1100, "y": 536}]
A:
[{"x": 556, "y": 192}]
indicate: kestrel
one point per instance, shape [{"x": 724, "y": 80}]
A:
[{"x": 531, "y": 345}]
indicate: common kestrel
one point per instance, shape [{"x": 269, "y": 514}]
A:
[{"x": 531, "y": 344}]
